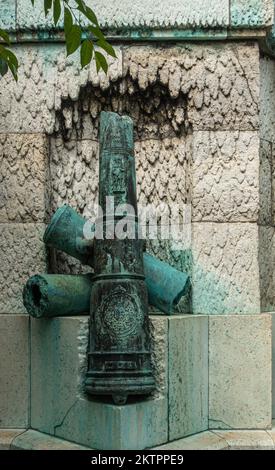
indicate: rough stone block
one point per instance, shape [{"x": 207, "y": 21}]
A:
[
  {"x": 188, "y": 375},
  {"x": 14, "y": 371},
  {"x": 150, "y": 13},
  {"x": 273, "y": 370},
  {"x": 247, "y": 440},
  {"x": 59, "y": 349},
  {"x": 273, "y": 185},
  {"x": 265, "y": 183},
  {"x": 271, "y": 432},
  {"x": 240, "y": 372},
  {"x": 8, "y": 11},
  {"x": 266, "y": 268},
  {"x": 210, "y": 87},
  {"x": 45, "y": 78},
  {"x": 7, "y": 436},
  {"x": 22, "y": 254},
  {"x": 34, "y": 440},
  {"x": 267, "y": 131},
  {"x": 217, "y": 85},
  {"x": 33, "y": 16},
  {"x": 202, "y": 441},
  {"x": 225, "y": 176},
  {"x": 162, "y": 171},
  {"x": 74, "y": 175},
  {"x": 251, "y": 13},
  {"x": 225, "y": 273},
  {"x": 267, "y": 99},
  {"x": 24, "y": 172}
]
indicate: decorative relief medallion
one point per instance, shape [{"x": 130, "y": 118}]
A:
[{"x": 119, "y": 315}]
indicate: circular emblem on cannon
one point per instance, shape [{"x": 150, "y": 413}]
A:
[{"x": 119, "y": 316}]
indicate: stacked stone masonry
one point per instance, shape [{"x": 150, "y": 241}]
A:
[
  {"x": 196, "y": 115},
  {"x": 204, "y": 125},
  {"x": 206, "y": 15}
]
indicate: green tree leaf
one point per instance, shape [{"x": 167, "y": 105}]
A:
[
  {"x": 56, "y": 11},
  {"x": 4, "y": 35},
  {"x": 13, "y": 70},
  {"x": 73, "y": 39},
  {"x": 81, "y": 6},
  {"x": 86, "y": 52},
  {"x": 73, "y": 32},
  {"x": 68, "y": 21},
  {"x": 3, "y": 67},
  {"x": 87, "y": 11},
  {"x": 47, "y": 6},
  {"x": 106, "y": 46},
  {"x": 101, "y": 62},
  {"x": 96, "y": 32},
  {"x": 8, "y": 58},
  {"x": 91, "y": 16}
]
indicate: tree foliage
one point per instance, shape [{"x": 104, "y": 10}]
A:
[{"x": 92, "y": 46}]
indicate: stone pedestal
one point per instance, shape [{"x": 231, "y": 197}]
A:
[
  {"x": 178, "y": 408},
  {"x": 238, "y": 378}
]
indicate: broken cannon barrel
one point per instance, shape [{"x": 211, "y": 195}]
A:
[
  {"x": 51, "y": 295},
  {"x": 166, "y": 285},
  {"x": 48, "y": 295},
  {"x": 66, "y": 233}
]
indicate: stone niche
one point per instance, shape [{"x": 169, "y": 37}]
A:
[
  {"x": 196, "y": 115},
  {"x": 196, "y": 118}
]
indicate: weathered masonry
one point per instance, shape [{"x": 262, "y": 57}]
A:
[{"x": 198, "y": 81}]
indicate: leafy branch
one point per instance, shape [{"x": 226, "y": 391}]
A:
[
  {"x": 8, "y": 60},
  {"x": 91, "y": 48}
]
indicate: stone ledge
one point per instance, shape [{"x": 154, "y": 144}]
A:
[
  {"x": 69, "y": 414},
  {"x": 225, "y": 440},
  {"x": 19, "y": 439},
  {"x": 7, "y": 436},
  {"x": 34, "y": 440},
  {"x": 206, "y": 440},
  {"x": 247, "y": 440}
]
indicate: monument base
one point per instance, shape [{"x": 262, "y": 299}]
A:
[
  {"x": 211, "y": 372},
  {"x": 12, "y": 439}
]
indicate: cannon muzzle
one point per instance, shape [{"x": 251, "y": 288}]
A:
[{"x": 51, "y": 295}]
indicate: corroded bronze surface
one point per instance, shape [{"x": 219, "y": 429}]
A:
[
  {"x": 52, "y": 295},
  {"x": 119, "y": 357},
  {"x": 165, "y": 284}
]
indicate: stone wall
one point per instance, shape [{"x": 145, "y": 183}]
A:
[
  {"x": 196, "y": 115},
  {"x": 267, "y": 193},
  {"x": 203, "y": 116},
  {"x": 148, "y": 15}
]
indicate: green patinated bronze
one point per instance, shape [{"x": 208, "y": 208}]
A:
[
  {"x": 51, "y": 295},
  {"x": 166, "y": 285},
  {"x": 119, "y": 361},
  {"x": 65, "y": 232}
]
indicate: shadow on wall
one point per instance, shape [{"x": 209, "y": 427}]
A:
[{"x": 162, "y": 150}]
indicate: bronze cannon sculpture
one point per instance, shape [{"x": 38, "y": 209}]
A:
[
  {"x": 119, "y": 357},
  {"x": 166, "y": 285}
]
